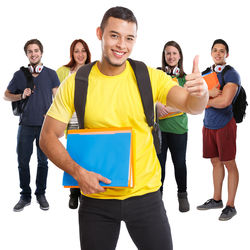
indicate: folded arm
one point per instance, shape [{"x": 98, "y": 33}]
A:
[{"x": 226, "y": 98}]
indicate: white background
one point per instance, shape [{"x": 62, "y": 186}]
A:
[{"x": 194, "y": 25}]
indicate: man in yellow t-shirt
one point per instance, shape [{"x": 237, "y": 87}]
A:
[{"x": 113, "y": 100}]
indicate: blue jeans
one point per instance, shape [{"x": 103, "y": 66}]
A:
[
  {"x": 177, "y": 144},
  {"x": 145, "y": 218},
  {"x": 25, "y": 138}
]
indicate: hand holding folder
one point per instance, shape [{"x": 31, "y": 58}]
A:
[
  {"x": 108, "y": 152},
  {"x": 213, "y": 84}
]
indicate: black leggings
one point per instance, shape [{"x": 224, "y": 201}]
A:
[
  {"x": 145, "y": 218},
  {"x": 177, "y": 144}
]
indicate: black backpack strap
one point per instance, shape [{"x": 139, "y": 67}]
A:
[
  {"x": 29, "y": 77},
  {"x": 81, "y": 89},
  {"x": 145, "y": 89},
  {"x": 19, "y": 106},
  {"x": 206, "y": 71},
  {"x": 227, "y": 67}
]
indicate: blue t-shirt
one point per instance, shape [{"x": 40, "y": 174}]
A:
[
  {"x": 216, "y": 118},
  {"x": 41, "y": 98}
]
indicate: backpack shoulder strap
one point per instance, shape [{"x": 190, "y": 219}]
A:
[
  {"x": 227, "y": 67},
  {"x": 145, "y": 89},
  {"x": 206, "y": 71},
  {"x": 81, "y": 88},
  {"x": 29, "y": 77}
]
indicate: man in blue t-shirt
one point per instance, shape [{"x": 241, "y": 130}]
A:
[
  {"x": 219, "y": 131},
  {"x": 38, "y": 101}
]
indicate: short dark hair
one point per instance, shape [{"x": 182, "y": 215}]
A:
[
  {"x": 221, "y": 41},
  {"x": 33, "y": 41},
  {"x": 118, "y": 12}
]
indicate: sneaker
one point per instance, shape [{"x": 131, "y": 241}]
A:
[
  {"x": 20, "y": 205},
  {"x": 211, "y": 204},
  {"x": 227, "y": 213},
  {"x": 183, "y": 202},
  {"x": 41, "y": 199},
  {"x": 73, "y": 201}
]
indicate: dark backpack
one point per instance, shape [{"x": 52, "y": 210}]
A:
[
  {"x": 239, "y": 102},
  {"x": 18, "y": 106},
  {"x": 145, "y": 89}
]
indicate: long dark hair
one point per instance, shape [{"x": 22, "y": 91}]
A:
[
  {"x": 72, "y": 62},
  {"x": 180, "y": 63}
]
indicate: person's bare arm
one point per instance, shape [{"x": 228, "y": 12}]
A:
[
  {"x": 52, "y": 130},
  {"x": 226, "y": 97},
  {"x": 54, "y": 90},
  {"x": 163, "y": 110},
  {"x": 8, "y": 96},
  {"x": 193, "y": 97}
]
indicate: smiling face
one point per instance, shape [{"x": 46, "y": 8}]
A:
[
  {"x": 34, "y": 54},
  {"x": 219, "y": 54},
  {"x": 118, "y": 39},
  {"x": 172, "y": 56},
  {"x": 80, "y": 54}
]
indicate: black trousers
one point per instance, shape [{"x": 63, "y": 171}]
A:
[
  {"x": 145, "y": 219},
  {"x": 177, "y": 144}
]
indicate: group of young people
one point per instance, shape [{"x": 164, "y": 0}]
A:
[{"x": 113, "y": 100}]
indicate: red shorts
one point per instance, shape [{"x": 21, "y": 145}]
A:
[{"x": 221, "y": 142}]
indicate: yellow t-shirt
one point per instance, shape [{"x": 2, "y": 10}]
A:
[
  {"x": 114, "y": 101},
  {"x": 63, "y": 73}
]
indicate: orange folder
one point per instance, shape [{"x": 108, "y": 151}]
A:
[{"x": 211, "y": 80}]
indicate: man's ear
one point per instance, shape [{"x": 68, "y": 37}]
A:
[{"x": 99, "y": 33}]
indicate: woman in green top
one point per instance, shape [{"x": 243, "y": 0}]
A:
[
  {"x": 79, "y": 55},
  {"x": 174, "y": 125}
]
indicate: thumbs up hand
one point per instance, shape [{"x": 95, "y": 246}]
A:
[{"x": 195, "y": 84}]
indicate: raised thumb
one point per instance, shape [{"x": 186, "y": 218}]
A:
[{"x": 196, "y": 65}]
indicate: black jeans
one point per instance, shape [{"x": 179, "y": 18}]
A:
[
  {"x": 25, "y": 138},
  {"x": 145, "y": 218},
  {"x": 177, "y": 144}
]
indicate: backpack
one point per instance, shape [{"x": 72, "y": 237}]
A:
[
  {"x": 145, "y": 89},
  {"x": 240, "y": 101},
  {"x": 18, "y": 106}
]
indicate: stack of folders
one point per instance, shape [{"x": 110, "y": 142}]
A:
[
  {"x": 171, "y": 114},
  {"x": 108, "y": 152},
  {"x": 212, "y": 80}
]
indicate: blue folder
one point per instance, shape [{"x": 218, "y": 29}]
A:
[{"x": 104, "y": 151}]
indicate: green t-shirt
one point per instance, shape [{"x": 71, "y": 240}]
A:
[{"x": 176, "y": 124}]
